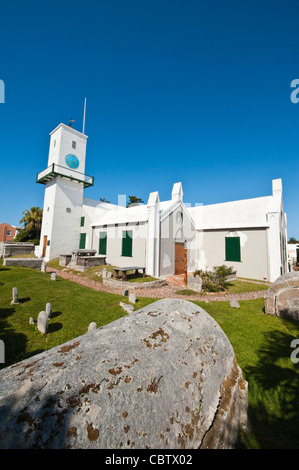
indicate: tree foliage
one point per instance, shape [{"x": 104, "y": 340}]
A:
[
  {"x": 32, "y": 220},
  {"x": 134, "y": 201},
  {"x": 293, "y": 240}
]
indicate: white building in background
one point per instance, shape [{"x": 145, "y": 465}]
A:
[
  {"x": 293, "y": 254},
  {"x": 249, "y": 235}
]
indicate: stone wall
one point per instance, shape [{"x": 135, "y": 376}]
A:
[
  {"x": 163, "y": 377},
  {"x": 133, "y": 285},
  {"x": 33, "y": 263},
  {"x": 282, "y": 297},
  {"x": 18, "y": 248}
]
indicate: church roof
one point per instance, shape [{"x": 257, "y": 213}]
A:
[{"x": 247, "y": 213}]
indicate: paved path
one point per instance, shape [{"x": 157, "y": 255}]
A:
[{"x": 164, "y": 292}]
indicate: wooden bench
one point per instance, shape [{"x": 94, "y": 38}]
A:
[{"x": 130, "y": 268}]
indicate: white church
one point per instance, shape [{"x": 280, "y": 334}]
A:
[{"x": 250, "y": 235}]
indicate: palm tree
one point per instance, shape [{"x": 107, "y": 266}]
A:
[{"x": 32, "y": 220}]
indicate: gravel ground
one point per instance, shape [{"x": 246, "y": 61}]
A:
[{"x": 164, "y": 292}]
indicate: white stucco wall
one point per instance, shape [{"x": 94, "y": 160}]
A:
[
  {"x": 114, "y": 244},
  {"x": 253, "y": 264},
  {"x": 61, "y": 145},
  {"x": 61, "y": 217},
  {"x": 173, "y": 231}
]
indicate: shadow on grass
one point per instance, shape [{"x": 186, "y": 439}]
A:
[
  {"x": 14, "y": 343},
  {"x": 24, "y": 299},
  {"x": 54, "y": 327},
  {"x": 55, "y": 314},
  {"x": 273, "y": 410}
]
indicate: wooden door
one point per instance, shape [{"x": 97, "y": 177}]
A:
[
  {"x": 45, "y": 245},
  {"x": 179, "y": 258}
]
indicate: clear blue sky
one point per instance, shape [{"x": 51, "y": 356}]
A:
[{"x": 177, "y": 90}]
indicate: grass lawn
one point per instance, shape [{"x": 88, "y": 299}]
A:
[
  {"x": 262, "y": 347},
  {"x": 73, "y": 308},
  {"x": 261, "y": 343},
  {"x": 92, "y": 273}
]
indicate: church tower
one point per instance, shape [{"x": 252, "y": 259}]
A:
[{"x": 64, "y": 181}]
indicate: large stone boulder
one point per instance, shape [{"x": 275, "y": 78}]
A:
[
  {"x": 163, "y": 377},
  {"x": 282, "y": 297}
]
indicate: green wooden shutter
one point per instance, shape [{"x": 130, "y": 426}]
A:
[
  {"x": 232, "y": 249},
  {"x": 127, "y": 243},
  {"x": 82, "y": 221},
  {"x": 103, "y": 243},
  {"x": 82, "y": 241}
]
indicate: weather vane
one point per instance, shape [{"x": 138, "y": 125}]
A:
[{"x": 71, "y": 120}]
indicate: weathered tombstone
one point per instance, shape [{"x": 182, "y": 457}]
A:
[
  {"x": 49, "y": 309},
  {"x": 234, "y": 303},
  {"x": 126, "y": 293},
  {"x": 132, "y": 298},
  {"x": 92, "y": 326},
  {"x": 194, "y": 283},
  {"x": 108, "y": 274},
  {"x": 53, "y": 276},
  {"x": 2, "y": 352},
  {"x": 126, "y": 307},
  {"x": 104, "y": 272},
  {"x": 14, "y": 296},
  {"x": 43, "y": 267},
  {"x": 31, "y": 321},
  {"x": 42, "y": 322}
]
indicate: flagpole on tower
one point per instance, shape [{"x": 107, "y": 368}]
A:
[{"x": 83, "y": 129}]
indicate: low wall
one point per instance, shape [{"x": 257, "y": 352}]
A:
[
  {"x": 133, "y": 285},
  {"x": 14, "y": 249},
  {"x": 87, "y": 262},
  {"x": 163, "y": 377},
  {"x": 33, "y": 263},
  {"x": 64, "y": 260}
]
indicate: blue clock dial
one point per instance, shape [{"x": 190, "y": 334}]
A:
[{"x": 71, "y": 160}]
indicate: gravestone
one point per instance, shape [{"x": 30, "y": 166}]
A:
[
  {"x": 49, "y": 309},
  {"x": 126, "y": 307},
  {"x": 14, "y": 296},
  {"x": 234, "y": 303},
  {"x": 53, "y": 276},
  {"x": 42, "y": 322},
  {"x": 92, "y": 326},
  {"x": 194, "y": 283},
  {"x": 43, "y": 267},
  {"x": 104, "y": 272},
  {"x": 2, "y": 352},
  {"x": 31, "y": 321},
  {"x": 132, "y": 298}
]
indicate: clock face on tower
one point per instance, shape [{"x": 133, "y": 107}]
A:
[{"x": 71, "y": 160}]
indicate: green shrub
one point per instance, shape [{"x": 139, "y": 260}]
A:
[{"x": 216, "y": 280}]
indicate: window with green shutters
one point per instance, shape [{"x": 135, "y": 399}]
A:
[
  {"x": 127, "y": 242},
  {"x": 232, "y": 249},
  {"x": 82, "y": 221},
  {"x": 82, "y": 241},
  {"x": 103, "y": 243}
]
